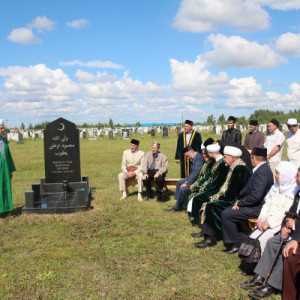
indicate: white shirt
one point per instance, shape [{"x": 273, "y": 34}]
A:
[
  {"x": 255, "y": 169},
  {"x": 188, "y": 137},
  {"x": 275, "y": 139},
  {"x": 293, "y": 147}
]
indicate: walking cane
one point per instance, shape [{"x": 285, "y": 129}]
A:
[{"x": 274, "y": 262}]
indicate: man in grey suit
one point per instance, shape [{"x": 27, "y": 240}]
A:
[{"x": 184, "y": 184}]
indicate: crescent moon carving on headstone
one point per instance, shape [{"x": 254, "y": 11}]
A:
[{"x": 61, "y": 126}]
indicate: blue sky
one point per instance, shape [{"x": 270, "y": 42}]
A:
[{"x": 147, "y": 61}]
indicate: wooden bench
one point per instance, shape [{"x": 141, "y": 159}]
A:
[
  {"x": 170, "y": 183},
  {"x": 248, "y": 225}
]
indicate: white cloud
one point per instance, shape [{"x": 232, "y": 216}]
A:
[
  {"x": 89, "y": 77},
  {"x": 279, "y": 4},
  {"x": 92, "y": 64},
  {"x": 207, "y": 15},
  {"x": 288, "y": 43},
  {"x": 77, "y": 24},
  {"x": 23, "y": 36},
  {"x": 42, "y": 24},
  {"x": 235, "y": 51}
]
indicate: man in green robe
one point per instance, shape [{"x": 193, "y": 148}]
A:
[
  {"x": 187, "y": 138},
  {"x": 6, "y": 168},
  {"x": 218, "y": 175},
  {"x": 236, "y": 178}
]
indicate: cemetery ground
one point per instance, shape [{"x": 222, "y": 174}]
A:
[{"x": 117, "y": 250}]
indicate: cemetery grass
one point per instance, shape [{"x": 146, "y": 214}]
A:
[{"x": 117, "y": 250}]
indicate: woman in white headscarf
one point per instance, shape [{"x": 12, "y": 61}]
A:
[{"x": 279, "y": 199}]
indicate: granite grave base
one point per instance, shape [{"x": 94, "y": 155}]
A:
[{"x": 65, "y": 197}]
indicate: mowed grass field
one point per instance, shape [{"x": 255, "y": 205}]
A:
[{"x": 118, "y": 249}]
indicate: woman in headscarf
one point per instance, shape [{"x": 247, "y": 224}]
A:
[{"x": 279, "y": 199}]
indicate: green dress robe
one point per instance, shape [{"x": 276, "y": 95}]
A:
[
  {"x": 195, "y": 142},
  {"x": 6, "y": 168},
  {"x": 219, "y": 173},
  {"x": 227, "y": 196},
  {"x": 203, "y": 179}
]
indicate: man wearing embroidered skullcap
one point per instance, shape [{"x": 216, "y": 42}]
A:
[
  {"x": 131, "y": 168},
  {"x": 254, "y": 137},
  {"x": 232, "y": 134},
  {"x": 7, "y": 167},
  {"x": 187, "y": 138},
  {"x": 274, "y": 144},
  {"x": 250, "y": 200},
  {"x": 293, "y": 142},
  {"x": 227, "y": 195}
]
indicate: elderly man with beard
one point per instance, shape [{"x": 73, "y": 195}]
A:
[{"x": 254, "y": 138}]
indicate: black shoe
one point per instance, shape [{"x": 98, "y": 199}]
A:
[
  {"x": 233, "y": 249},
  {"x": 196, "y": 234},
  {"x": 256, "y": 281},
  {"x": 208, "y": 242},
  {"x": 172, "y": 209},
  {"x": 262, "y": 292}
]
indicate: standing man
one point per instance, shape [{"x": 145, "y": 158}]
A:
[
  {"x": 155, "y": 167},
  {"x": 132, "y": 168},
  {"x": 293, "y": 142},
  {"x": 7, "y": 167},
  {"x": 183, "y": 185},
  {"x": 254, "y": 137},
  {"x": 274, "y": 144},
  {"x": 187, "y": 138},
  {"x": 232, "y": 134},
  {"x": 250, "y": 200}
]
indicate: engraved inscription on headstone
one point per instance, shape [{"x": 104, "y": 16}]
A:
[{"x": 62, "y": 155}]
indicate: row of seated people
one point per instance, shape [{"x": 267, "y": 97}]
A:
[{"x": 227, "y": 192}]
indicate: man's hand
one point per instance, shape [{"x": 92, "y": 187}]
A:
[
  {"x": 184, "y": 184},
  {"x": 156, "y": 175},
  {"x": 130, "y": 174},
  {"x": 293, "y": 244},
  {"x": 235, "y": 205},
  {"x": 262, "y": 225},
  {"x": 290, "y": 223},
  {"x": 285, "y": 232},
  {"x": 191, "y": 188},
  {"x": 145, "y": 176}
]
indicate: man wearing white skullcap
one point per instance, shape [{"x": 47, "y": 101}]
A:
[
  {"x": 218, "y": 176},
  {"x": 293, "y": 142},
  {"x": 227, "y": 195},
  {"x": 6, "y": 168}
]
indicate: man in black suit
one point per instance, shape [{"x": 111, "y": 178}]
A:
[
  {"x": 250, "y": 200},
  {"x": 184, "y": 184}
]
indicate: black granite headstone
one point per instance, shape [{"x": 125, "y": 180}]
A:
[
  {"x": 165, "y": 132},
  {"x": 62, "y": 155},
  {"x": 153, "y": 132}
]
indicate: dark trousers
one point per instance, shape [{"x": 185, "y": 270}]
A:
[
  {"x": 231, "y": 223},
  {"x": 159, "y": 182},
  {"x": 291, "y": 276},
  {"x": 180, "y": 194}
]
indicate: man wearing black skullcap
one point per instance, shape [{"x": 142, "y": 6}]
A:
[
  {"x": 274, "y": 143},
  {"x": 187, "y": 138},
  {"x": 131, "y": 168},
  {"x": 250, "y": 200},
  {"x": 254, "y": 137},
  {"x": 232, "y": 134}
]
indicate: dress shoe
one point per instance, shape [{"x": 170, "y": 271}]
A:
[
  {"x": 256, "y": 281},
  {"x": 262, "y": 292},
  {"x": 196, "y": 234},
  {"x": 233, "y": 249},
  {"x": 208, "y": 242},
  {"x": 172, "y": 209}
]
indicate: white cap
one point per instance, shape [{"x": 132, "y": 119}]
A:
[
  {"x": 2, "y": 122},
  {"x": 202, "y": 147},
  {"x": 213, "y": 148},
  {"x": 292, "y": 121},
  {"x": 233, "y": 151}
]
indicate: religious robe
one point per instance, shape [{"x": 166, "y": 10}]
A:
[
  {"x": 236, "y": 179},
  {"x": 219, "y": 172},
  {"x": 6, "y": 168},
  {"x": 195, "y": 142}
]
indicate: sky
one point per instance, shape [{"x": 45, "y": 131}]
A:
[{"x": 147, "y": 61}]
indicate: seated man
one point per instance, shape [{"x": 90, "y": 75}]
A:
[
  {"x": 250, "y": 200},
  {"x": 131, "y": 168},
  {"x": 155, "y": 167},
  {"x": 236, "y": 179},
  {"x": 219, "y": 172},
  {"x": 269, "y": 270},
  {"x": 183, "y": 185}
]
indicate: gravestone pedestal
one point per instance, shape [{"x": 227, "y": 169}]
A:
[{"x": 63, "y": 190}]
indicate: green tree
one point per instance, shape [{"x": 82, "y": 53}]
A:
[
  {"x": 22, "y": 127},
  {"x": 30, "y": 127},
  {"x": 211, "y": 120},
  {"x": 221, "y": 120},
  {"x": 111, "y": 123},
  {"x": 138, "y": 124}
]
